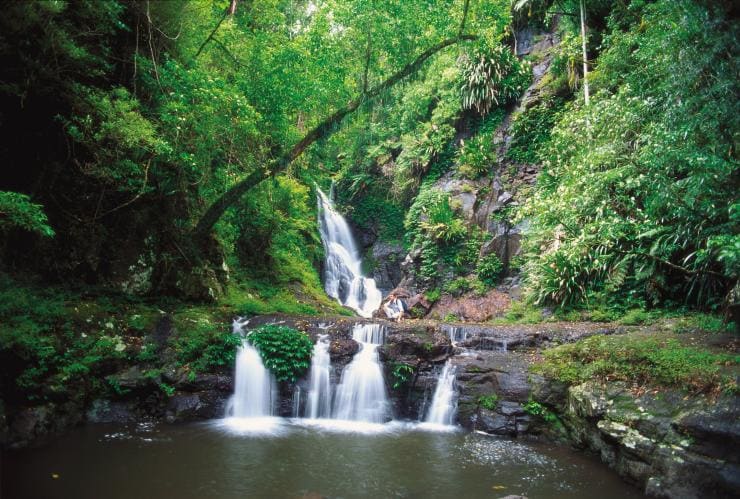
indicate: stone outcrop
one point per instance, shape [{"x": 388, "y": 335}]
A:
[{"x": 667, "y": 443}]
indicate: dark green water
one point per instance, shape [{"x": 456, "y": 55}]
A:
[{"x": 210, "y": 460}]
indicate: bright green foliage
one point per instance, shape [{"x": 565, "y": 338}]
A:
[
  {"x": 492, "y": 77},
  {"x": 638, "y": 201},
  {"x": 534, "y": 408},
  {"x": 644, "y": 360},
  {"x": 488, "y": 401},
  {"x": 531, "y": 130},
  {"x": 440, "y": 233},
  {"x": 17, "y": 210},
  {"x": 489, "y": 269},
  {"x": 202, "y": 344},
  {"x": 475, "y": 157},
  {"x": 285, "y": 351},
  {"x": 401, "y": 375}
]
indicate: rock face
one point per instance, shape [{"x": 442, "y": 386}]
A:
[
  {"x": 471, "y": 307},
  {"x": 668, "y": 444},
  {"x": 387, "y": 259},
  {"x": 493, "y": 388}
]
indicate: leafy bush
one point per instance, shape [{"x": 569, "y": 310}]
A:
[
  {"x": 285, "y": 351},
  {"x": 201, "y": 344},
  {"x": 492, "y": 76},
  {"x": 638, "y": 198},
  {"x": 401, "y": 375},
  {"x": 17, "y": 210},
  {"x": 458, "y": 286},
  {"x": 489, "y": 269},
  {"x": 534, "y": 408},
  {"x": 475, "y": 156}
]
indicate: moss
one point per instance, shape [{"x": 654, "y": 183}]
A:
[{"x": 646, "y": 360}]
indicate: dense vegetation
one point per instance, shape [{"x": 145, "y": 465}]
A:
[{"x": 163, "y": 155}]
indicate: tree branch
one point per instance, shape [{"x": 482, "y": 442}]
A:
[
  {"x": 210, "y": 37},
  {"x": 323, "y": 129},
  {"x": 464, "y": 18}
]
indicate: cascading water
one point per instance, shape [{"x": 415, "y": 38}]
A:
[
  {"x": 318, "y": 404},
  {"x": 444, "y": 403},
  {"x": 361, "y": 394},
  {"x": 343, "y": 279},
  {"x": 254, "y": 385}
]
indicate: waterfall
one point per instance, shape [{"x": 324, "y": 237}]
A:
[
  {"x": 361, "y": 394},
  {"x": 254, "y": 385},
  {"x": 444, "y": 403},
  {"x": 343, "y": 279},
  {"x": 457, "y": 333},
  {"x": 319, "y": 391}
]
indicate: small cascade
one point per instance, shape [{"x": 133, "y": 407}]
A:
[
  {"x": 457, "y": 334},
  {"x": 318, "y": 404},
  {"x": 444, "y": 402},
  {"x": 361, "y": 395},
  {"x": 296, "y": 402},
  {"x": 254, "y": 385},
  {"x": 473, "y": 337},
  {"x": 343, "y": 279}
]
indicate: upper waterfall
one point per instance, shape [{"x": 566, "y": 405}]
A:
[{"x": 343, "y": 277}]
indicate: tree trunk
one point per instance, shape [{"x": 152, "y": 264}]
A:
[{"x": 585, "y": 54}]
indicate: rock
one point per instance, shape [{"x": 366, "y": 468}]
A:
[
  {"x": 587, "y": 401},
  {"x": 183, "y": 407},
  {"x": 108, "y": 411},
  {"x": 387, "y": 271},
  {"x": 471, "y": 307},
  {"x": 418, "y": 305}
]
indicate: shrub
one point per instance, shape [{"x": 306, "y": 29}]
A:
[
  {"x": 458, "y": 286},
  {"x": 284, "y": 350},
  {"x": 489, "y": 269},
  {"x": 401, "y": 375}
]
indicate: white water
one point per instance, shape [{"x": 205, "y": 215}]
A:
[
  {"x": 319, "y": 392},
  {"x": 444, "y": 403},
  {"x": 343, "y": 279},
  {"x": 361, "y": 394},
  {"x": 254, "y": 386}
]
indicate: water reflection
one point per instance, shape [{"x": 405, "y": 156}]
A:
[{"x": 300, "y": 457}]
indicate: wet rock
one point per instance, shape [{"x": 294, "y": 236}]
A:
[
  {"x": 109, "y": 411},
  {"x": 387, "y": 270},
  {"x": 191, "y": 406},
  {"x": 32, "y": 424}
]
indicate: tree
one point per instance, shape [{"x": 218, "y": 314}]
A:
[{"x": 322, "y": 130}]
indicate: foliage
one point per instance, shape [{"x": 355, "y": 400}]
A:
[
  {"x": 285, "y": 351},
  {"x": 488, "y": 401},
  {"x": 203, "y": 344},
  {"x": 492, "y": 76},
  {"x": 521, "y": 312},
  {"x": 643, "y": 360},
  {"x": 489, "y": 269},
  {"x": 534, "y": 408},
  {"x": 639, "y": 194},
  {"x": 475, "y": 156},
  {"x": 17, "y": 210},
  {"x": 531, "y": 130},
  {"x": 401, "y": 374}
]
